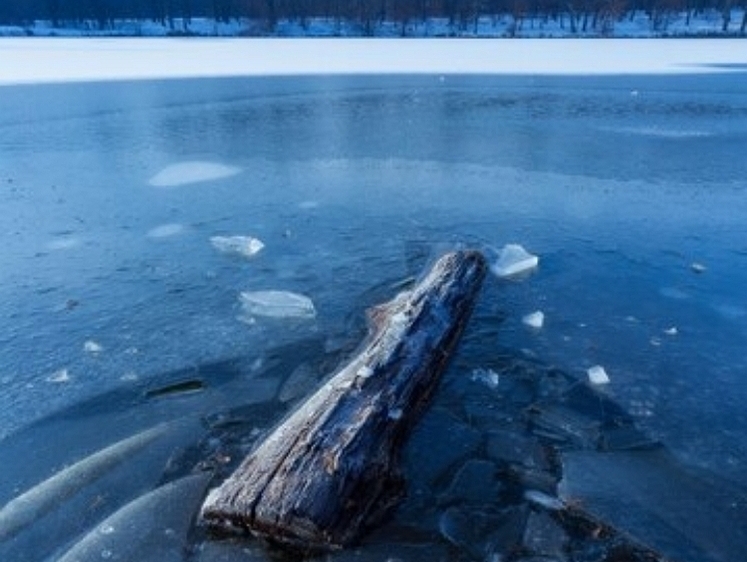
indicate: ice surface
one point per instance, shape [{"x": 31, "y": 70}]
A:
[
  {"x": 277, "y": 304},
  {"x": 597, "y": 375},
  {"x": 685, "y": 514},
  {"x": 64, "y": 60},
  {"x": 245, "y": 246},
  {"x": 534, "y": 320},
  {"x": 185, "y": 173},
  {"x": 512, "y": 260}
]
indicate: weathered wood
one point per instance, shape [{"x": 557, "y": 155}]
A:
[{"x": 332, "y": 465}]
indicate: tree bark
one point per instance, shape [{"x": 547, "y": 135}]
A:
[{"x": 329, "y": 469}]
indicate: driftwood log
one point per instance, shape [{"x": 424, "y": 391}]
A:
[{"x": 332, "y": 465}]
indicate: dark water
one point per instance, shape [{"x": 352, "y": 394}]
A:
[{"x": 619, "y": 184}]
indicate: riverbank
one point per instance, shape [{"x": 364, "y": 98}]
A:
[{"x": 637, "y": 24}]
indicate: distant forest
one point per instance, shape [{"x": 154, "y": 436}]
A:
[{"x": 366, "y": 13}]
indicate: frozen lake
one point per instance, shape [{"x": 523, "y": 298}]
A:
[{"x": 631, "y": 189}]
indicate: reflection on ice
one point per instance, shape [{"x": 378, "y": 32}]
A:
[{"x": 185, "y": 173}]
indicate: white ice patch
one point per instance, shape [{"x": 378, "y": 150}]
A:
[
  {"x": 277, "y": 304},
  {"x": 512, "y": 260},
  {"x": 166, "y": 230},
  {"x": 488, "y": 377},
  {"x": 92, "y": 347},
  {"x": 597, "y": 375},
  {"x": 60, "y": 376},
  {"x": 534, "y": 320},
  {"x": 697, "y": 267},
  {"x": 244, "y": 246},
  {"x": 185, "y": 173}
]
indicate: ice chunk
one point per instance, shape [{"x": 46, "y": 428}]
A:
[
  {"x": 185, "y": 173},
  {"x": 488, "y": 377},
  {"x": 92, "y": 347},
  {"x": 59, "y": 376},
  {"x": 245, "y": 246},
  {"x": 671, "y": 331},
  {"x": 534, "y": 320},
  {"x": 597, "y": 375},
  {"x": 697, "y": 267},
  {"x": 277, "y": 304},
  {"x": 166, "y": 230},
  {"x": 512, "y": 260}
]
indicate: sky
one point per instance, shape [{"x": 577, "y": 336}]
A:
[{"x": 44, "y": 60}]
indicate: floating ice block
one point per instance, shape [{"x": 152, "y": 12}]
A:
[
  {"x": 534, "y": 320},
  {"x": 245, "y": 246},
  {"x": 512, "y": 260},
  {"x": 597, "y": 375},
  {"x": 277, "y": 304}
]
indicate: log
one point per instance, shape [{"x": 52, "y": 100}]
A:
[{"x": 331, "y": 468}]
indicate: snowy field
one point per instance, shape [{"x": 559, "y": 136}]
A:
[{"x": 67, "y": 60}]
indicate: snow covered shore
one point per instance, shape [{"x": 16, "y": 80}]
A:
[
  {"x": 38, "y": 60},
  {"x": 638, "y": 24}
]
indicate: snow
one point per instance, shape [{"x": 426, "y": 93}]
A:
[
  {"x": 185, "y": 173},
  {"x": 44, "y": 60}
]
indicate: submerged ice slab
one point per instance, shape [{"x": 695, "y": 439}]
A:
[
  {"x": 185, "y": 173},
  {"x": 685, "y": 514},
  {"x": 512, "y": 260},
  {"x": 534, "y": 319},
  {"x": 245, "y": 246},
  {"x": 277, "y": 304}
]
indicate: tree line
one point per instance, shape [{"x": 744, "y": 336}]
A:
[{"x": 580, "y": 14}]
